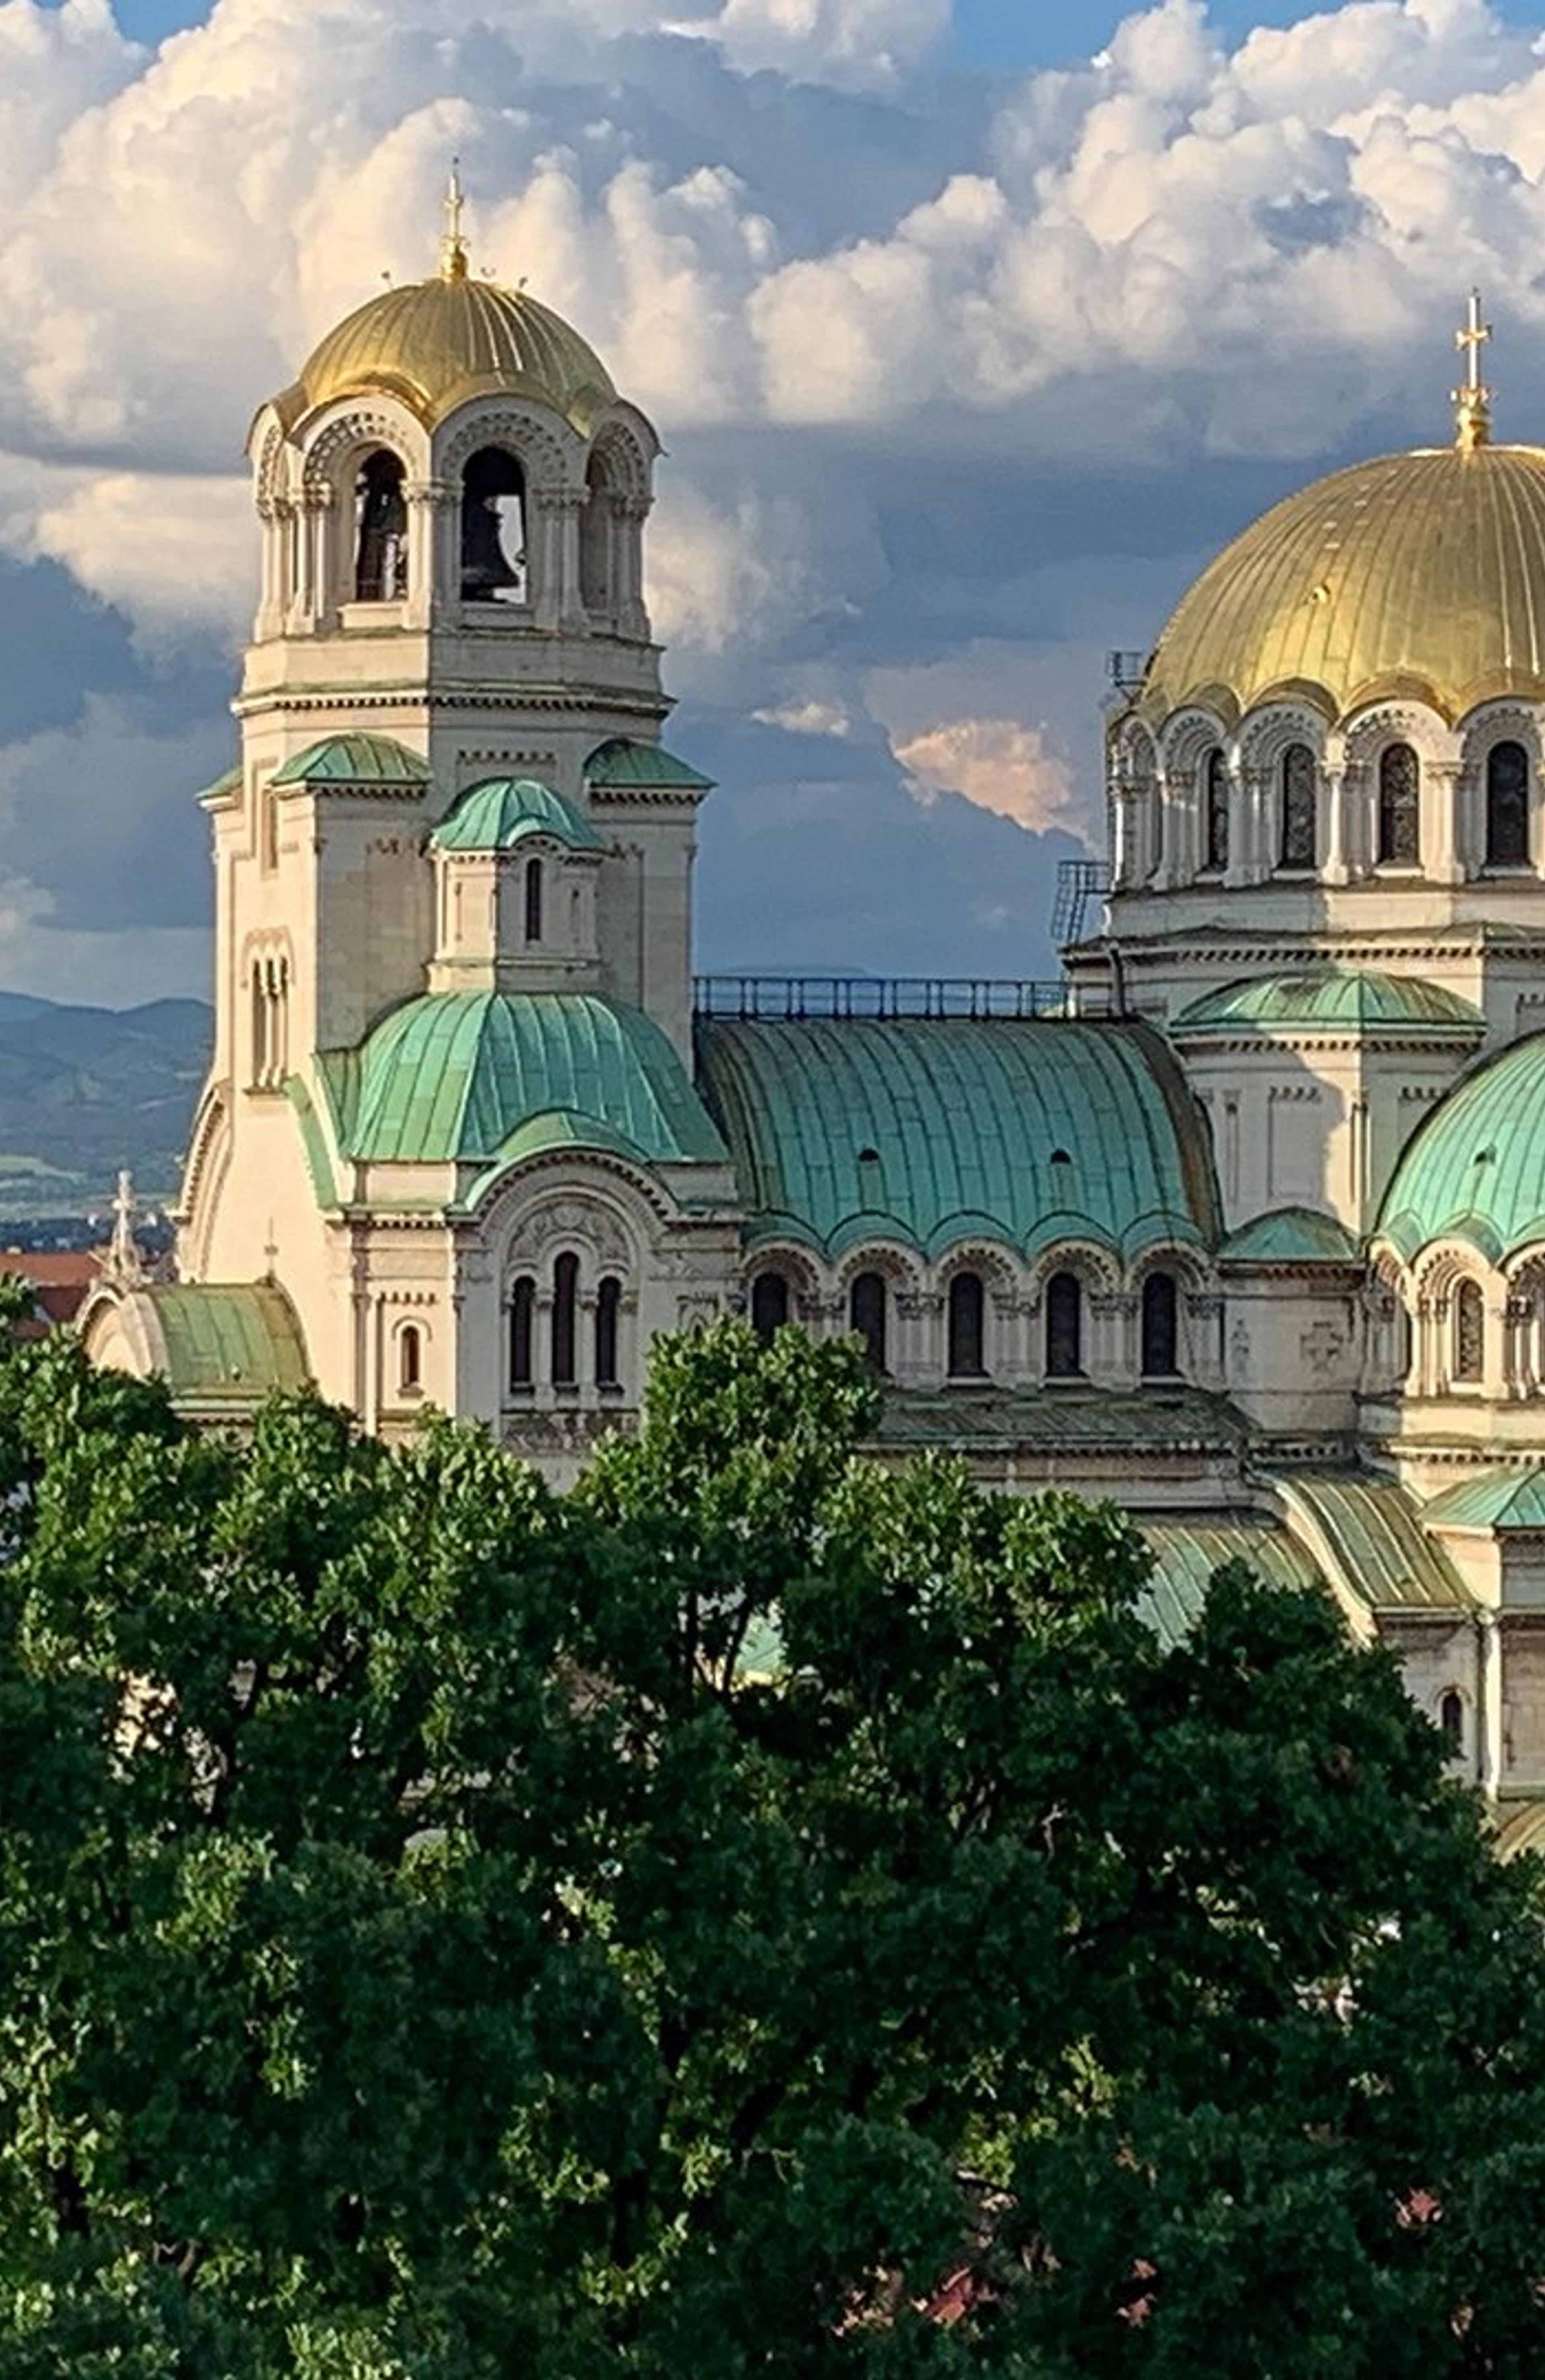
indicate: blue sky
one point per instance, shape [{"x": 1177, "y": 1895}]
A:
[{"x": 967, "y": 353}]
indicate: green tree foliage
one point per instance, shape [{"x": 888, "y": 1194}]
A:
[{"x": 443, "y": 1937}]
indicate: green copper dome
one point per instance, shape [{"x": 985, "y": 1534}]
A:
[
  {"x": 1476, "y": 1169},
  {"x": 933, "y": 1132},
  {"x": 1339, "y": 1001},
  {"x": 503, "y": 811},
  {"x": 362, "y": 758},
  {"x": 1293, "y": 1235},
  {"x": 472, "y": 1077},
  {"x": 624, "y": 763}
]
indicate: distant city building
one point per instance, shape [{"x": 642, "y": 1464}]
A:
[{"x": 1243, "y": 1224}]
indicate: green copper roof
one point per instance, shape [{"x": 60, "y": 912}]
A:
[
  {"x": 469, "y": 1078},
  {"x": 1474, "y": 1170},
  {"x": 1520, "y": 1827},
  {"x": 622, "y": 761},
  {"x": 358, "y": 759},
  {"x": 1290, "y": 1235},
  {"x": 228, "y": 1346},
  {"x": 1187, "y": 1552},
  {"x": 1066, "y": 1420},
  {"x": 502, "y": 811},
  {"x": 1337, "y": 1000},
  {"x": 934, "y": 1131},
  {"x": 228, "y": 783},
  {"x": 1512, "y": 1499},
  {"x": 1367, "y": 1535}
]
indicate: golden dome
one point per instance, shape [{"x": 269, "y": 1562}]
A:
[
  {"x": 434, "y": 343},
  {"x": 1421, "y": 574}
]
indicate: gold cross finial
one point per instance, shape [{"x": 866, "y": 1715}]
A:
[
  {"x": 452, "y": 248},
  {"x": 1474, "y": 399}
]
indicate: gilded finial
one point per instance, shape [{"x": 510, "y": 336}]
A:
[
  {"x": 452, "y": 248},
  {"x": 1473, "y": 421}
]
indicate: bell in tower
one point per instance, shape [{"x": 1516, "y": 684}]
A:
[{"x": 493, "y": 529}]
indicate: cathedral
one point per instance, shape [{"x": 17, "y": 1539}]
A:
[{"x": 1242, "y": 1223}]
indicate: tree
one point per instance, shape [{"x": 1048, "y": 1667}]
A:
[{"x": 761, "y": 1913}]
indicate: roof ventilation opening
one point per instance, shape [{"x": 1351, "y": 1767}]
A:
[{"x": 1060, "y": 1157}]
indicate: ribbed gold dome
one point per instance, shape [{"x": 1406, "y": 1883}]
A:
[
  {"x": 1421, "y": 575},
  {"x": 434, "y": 343}
]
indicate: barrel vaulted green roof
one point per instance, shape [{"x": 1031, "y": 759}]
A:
[
  {"x": 502, "y": 811},
  {"x": 1187, "y": 1552},
  {"x": 934, "y": 1131},
  {"x": 1368, "y": 1536},
  {"x": 358, "y": 759},
  {"x": 1290, "y": 1235},
  {"x": 1510, "y": 1498},
  {"x": 226, "y": 1345},
  {"x": 1338, "y": 1001},
  {"x": 475, "y": 1077},
  {"x": 1474, "y": 1170},
  {"x": 622, "y": 761}
]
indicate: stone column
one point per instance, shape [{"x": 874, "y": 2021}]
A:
[
  {"x": 1356, "y": 842},
  {"x": 429, "y": 564},
  {"x": 1334, "y": 867},
  {"x": 1447, "y": 794}
]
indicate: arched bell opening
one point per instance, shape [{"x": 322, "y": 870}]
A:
[
  {"x": 494, "y": 529},
  {"x": 597, "y": 561},
  {"x": 1507, "y": 806},
  {"x": 381, "y": 529}
]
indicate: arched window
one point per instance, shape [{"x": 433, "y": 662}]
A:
[
  {"x": 565, "y": 1301},
  {"x": 967, "y": 1334},
  {"x": 1450, "y": 1721},
  {"x": 1507, "y": 806},
  {"x": 381, "y": 530},
  {"x": 1161, "y": 1327},
  {"x": 523, "y": 1333},
  {"x": 608, "y": 1303},
  {"x": 259, "y": 1025},
  {"x": 594, "y": 540},
  {"x": 410, "y": 1360},
  {"x": 1216, "y": 794},
  {"x": 493, "y": 529},
  {"x": 1297, "y": 842},
  {"x": 1064, "y": 1327},
  {"x": 1399, "y": 842},
  {"x": 1469, "y": 1333},
  {"x": 770, "y": 1303},
  {"x": 532, "y": 899},
  {"x": 866, "y": 1314}
]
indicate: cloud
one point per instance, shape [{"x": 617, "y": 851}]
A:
[{"x": 1000, "y": 764}]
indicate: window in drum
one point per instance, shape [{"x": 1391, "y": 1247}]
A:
[
  {"x": 1451, "y": 1722},
  {"x": 1469, "y": 1333},
  {"x": 523, "y": 1334},
  {"x": 410, "y": 1360},
  {"x": 770, "y": 1303},
  {"x": 1299, "y": 834},
  {"x": 1064, "y": 1327},
  {"x": 1217, "y": 811},
  {"x": 532, "y": 899},
  {"x": 867, "y": 1316},
  {"x": 609, "y": 1305},
  {"x": 1399, "y": 842},
  {"x": 565, "y": 1311},
  {"x": 1161, "y": 1330},
  {"x": 967, "y": 1326},
  {"x": 1507, "y": 806}
]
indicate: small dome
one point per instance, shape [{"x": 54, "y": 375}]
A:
[
  {"x": 434, "y": 343},
  {"x": 362, "y": 758},
  {"x": 1292, "y": 1235},
  {"x": 503, "y": 811},
  {"x": 1421, "y": 574},
  {"x": 1354, "y": 1002},
  {"x": 1476, "y": 1169}
]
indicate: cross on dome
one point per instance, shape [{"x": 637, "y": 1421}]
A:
[
  {"x": 1473, "y": 423},
  {"x": 452, "y": 250}
]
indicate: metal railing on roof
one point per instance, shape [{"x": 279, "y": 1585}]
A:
[
  {"x": 1081, "y": 885},
  {"x": 776, "y": 997}
]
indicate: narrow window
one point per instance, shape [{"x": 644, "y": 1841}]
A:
[
  {"x": 1507, "y": 806},
  {"x": 532, "y": 899},
  {"x": 1161, "y": 1336},
  {"x": 410, "y": 1360},
  {"x": 493, "y": 529},
  {"x": 1298, "y": 834},
  {"x": 1216, "y": 792},
  {"x": 523, "y": 1318},
  {"x": 866, "y": 1314},
  {"x": 1399, "y": 807},
  {"x": 595, "y": 539},
  {"x": 609, "y": 1302},
  {"x": 1469, "y": 1333},
  {"x": 1450, "y": 1721},
  {"x": 259, "y": 1025},
  {"x": 1064, "y": 1327},
  {"x": 967, "y": 1309},
  {"x": 381, "y": 530},
  {"x": 565, "y": 1300},
  {"x": 770, "y": 1303}
]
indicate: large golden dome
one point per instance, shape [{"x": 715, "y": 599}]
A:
[
  {"x": 434, "y": 343},
  {"x": 1421, "y": 574}
]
